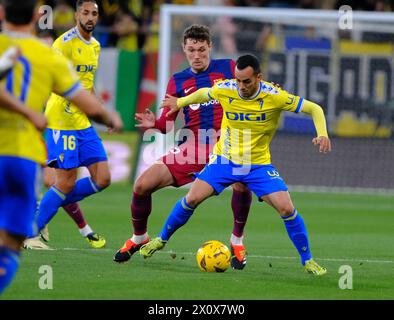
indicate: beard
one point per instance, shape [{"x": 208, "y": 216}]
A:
[{"x": 87, "y": 28}]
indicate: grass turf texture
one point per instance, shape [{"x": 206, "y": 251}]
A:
[{"x": 354, "y": 230}]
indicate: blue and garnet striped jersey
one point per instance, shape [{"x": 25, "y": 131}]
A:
[{"x": 202, "y": 116}]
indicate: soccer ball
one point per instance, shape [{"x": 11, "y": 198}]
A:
[{"x": 213, "y": 256}]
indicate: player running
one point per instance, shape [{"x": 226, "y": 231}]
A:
[
  {"x": 38, "y": 71},
  {"x": 252, "y": 108},
  {"x": 71, "y": 140},
  {"x": 178, "y": 167}
]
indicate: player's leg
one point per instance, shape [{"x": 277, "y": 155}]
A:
[
  {"x": 55, "y": 196},
  {"x": 9, "y": 257},
  {"x": 17, "y": 207},
  {"x": 91, "y": 154},
  {"x": 213, "y": 179},
  {"x": 36, "y": 243},
  {"x": 154, "y": 178},
  {"x": 240, "y": 204},
  {"x": 295, "y": 227},
  {"x": 179, "y": 215},
  {"x": 73, "y": 209}
]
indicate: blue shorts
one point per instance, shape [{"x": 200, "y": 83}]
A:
[
  {"x": 19, "y": 186},
  {"x": 68, "y": 149},
  {"x": 261, "y": 179}
]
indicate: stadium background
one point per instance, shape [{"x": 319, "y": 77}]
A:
[{"x": 349, "y": 73}]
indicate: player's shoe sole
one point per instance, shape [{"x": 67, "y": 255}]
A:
[
  {"x": 35, "y": 244},
  {"x": 95, "y": 240},
  {"x": 312, "y": 267},
  {"x": 129, "y": 248},
  {"x": 238, "y": 256},
  {"x": 147, "y": 250}
]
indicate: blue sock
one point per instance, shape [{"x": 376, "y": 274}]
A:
[
  {"x": 179, "y": 215},
  {"x": 83, "y": 188},
  {"x": 9, "y": 263},
  {"x": 296, "y": 230},
  {"x": 49, "y": 205}
]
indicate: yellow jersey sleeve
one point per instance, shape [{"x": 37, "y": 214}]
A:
[{"x": 287, "y": 101}]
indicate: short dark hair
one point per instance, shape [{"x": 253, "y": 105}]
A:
[
  {"x": 19, "y": 12},
  {"x": 81, "y": 2},
  {"x": 248, "y": 60},
  {"x": 197, "y": 32}
]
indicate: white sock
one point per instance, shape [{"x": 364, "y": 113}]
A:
[
  {"x": 236, "y": 240},
  {"x": 85, "y": 230},
  {"x": 139, "y": 239}
]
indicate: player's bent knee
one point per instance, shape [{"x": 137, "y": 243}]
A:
[
  {"x": 142, "y": 187},
  {"x": 194, "y": 200},
  {"x": 285, "y": 210},
  {"x": 65, "y": 186},
  {"x": 103, "y": 182}
]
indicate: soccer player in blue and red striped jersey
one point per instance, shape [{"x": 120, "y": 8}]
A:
[{"x": 201, "y": 129}]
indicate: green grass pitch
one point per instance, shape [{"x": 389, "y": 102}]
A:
[{"x": 353, "y": 230}]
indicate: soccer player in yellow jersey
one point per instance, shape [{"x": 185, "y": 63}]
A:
[
  {"x": 67, "y": 122},
  {"x": 71, "y": 139},
  {"x": 251, "y": 111},
  {"x": 38, "y": 71}
]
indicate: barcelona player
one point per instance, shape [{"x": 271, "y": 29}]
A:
[
  {"x": 71, "y": 140},
  {"x": 179, "y": 166},
  {"x": 38, "y": 71},
  {"x": 252, "y": 108},
  {"x": 83, "y": 50}
]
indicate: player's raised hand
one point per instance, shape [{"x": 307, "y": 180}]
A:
[
  {"x": 116, "y": 123},
  {"x": 145, "y": 119},
  {"x": 170, "y": 102},
  {"x": 323, "y": 142}
]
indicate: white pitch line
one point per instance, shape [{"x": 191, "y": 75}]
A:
[{"x": 249, "y": 256}]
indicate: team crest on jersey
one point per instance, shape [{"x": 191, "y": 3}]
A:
[
  {"x": 261, "y": 102},
  {"x": 230, "y": 100},
  {"x": 79, "y": 50}
]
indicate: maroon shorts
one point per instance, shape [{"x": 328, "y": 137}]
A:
[{"x": 186, "y": 160}]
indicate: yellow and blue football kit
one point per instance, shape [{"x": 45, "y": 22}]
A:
[
  {"x": 242, "y": 155},
  {"x": 71, "y": 140},
  {"x": 248, "y": 125},
  {"x": 38, "y": 72}
]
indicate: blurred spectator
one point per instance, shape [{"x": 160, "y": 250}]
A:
[
  {"x": 107, "y": 13},
  {"x": 63, "y": 17},
  {"x": 365, "y": 5},
  {"x": 126, "y": 28},
  {"x": 152, "y": 34},
  {"x": 226, "y": 30}
]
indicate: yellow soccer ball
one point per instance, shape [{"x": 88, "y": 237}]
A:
[{"x": 213, "y": 256}]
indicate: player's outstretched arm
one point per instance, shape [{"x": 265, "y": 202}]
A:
[
  {"x": 91, "y": 106},
  {"x": 319, "y": 121},
  {"x": 175, "y": 104},
  {"x": 146, "y": 119},
  {"x": 9, "y": 102}
]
